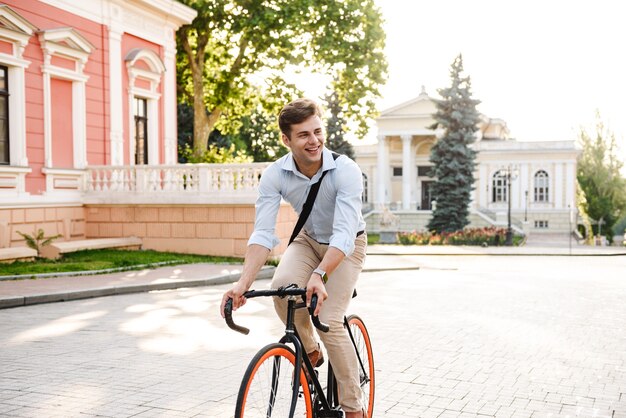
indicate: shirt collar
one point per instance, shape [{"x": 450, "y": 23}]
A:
[{"x": 328, "y": 163}]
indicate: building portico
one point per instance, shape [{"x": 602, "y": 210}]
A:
[{"x": 542, "y": 174}]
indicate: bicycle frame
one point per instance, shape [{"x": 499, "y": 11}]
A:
[{"x": 291, "y": 336}]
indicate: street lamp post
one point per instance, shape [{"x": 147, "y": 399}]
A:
[{"x": 509, "y": 230}]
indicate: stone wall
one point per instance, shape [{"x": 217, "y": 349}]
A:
[
  {"x": 221, "y": 230},
  {"x": 67, "y": 221}
]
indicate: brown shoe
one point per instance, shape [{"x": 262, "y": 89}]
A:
[{"x": 316, "y": 358}]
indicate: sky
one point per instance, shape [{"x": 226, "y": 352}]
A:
[{"x": 543, "y": 66}]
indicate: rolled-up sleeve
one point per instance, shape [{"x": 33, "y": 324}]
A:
[
  {"x": 349, "y": 183},
  {"x": 267, "y": 206}
]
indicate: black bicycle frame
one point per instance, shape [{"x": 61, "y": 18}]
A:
[{"x": 292, "y": 336}]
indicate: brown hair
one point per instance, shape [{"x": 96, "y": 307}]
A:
[{"x": 297, "y": 112}]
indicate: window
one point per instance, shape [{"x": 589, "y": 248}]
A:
[
  {"x": 4, "y": 116},
  {"x": 541, "y": 186},
  {"x": 141, "y": 131},
  {"x": 424, "y": 171},
  {"x": 145, "y": 71},
  {"x": 499, "y": 187},
  {"x": 397, "y": 171},
  {"x": 541, "y": 224}
]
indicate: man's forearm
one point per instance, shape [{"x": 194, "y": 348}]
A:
[
  {"x": 256, "y": 256},
  {"x": 331, "y": 260}
]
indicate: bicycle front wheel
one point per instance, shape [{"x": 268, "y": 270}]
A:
[
  {"x": 267, "y": 386},
  {"x": 363, "y": 346}
]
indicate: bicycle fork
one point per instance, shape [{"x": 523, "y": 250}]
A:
[{"x": 364, "y": 377}]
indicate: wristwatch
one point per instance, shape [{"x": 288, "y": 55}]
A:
[{"x": 322, "y": 273}]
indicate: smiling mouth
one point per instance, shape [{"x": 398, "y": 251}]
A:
[{"x": 312, "y": 150}]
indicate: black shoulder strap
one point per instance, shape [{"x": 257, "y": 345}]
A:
[{"x": 308, "y": 205}]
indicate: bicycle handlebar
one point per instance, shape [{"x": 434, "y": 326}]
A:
[{"x": 281, "y": 292}]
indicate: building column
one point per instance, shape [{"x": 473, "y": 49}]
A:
[
  {"x": 482, "y": 189},
  {"x": 570, "y": 184},
  {"x": 47, "y": 117},
  {"x": 557, "y": 186},
  {"x": 381, "y": 178},
  {"x": 407, "y": 172},
  {"x": 169, "y": 101},
  {"x": 116, "y": 96}
]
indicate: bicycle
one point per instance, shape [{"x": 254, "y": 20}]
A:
[{"x": 269, "y": 387}]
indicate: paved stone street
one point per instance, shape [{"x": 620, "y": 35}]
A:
[{"x": 464, "y": 336}]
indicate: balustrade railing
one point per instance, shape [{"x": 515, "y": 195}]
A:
[{"x": 217, "y": 180}]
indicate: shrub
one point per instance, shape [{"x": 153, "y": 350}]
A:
[
  {"x": 37, "y": 241},
  {"x": 468, "y": 236}
]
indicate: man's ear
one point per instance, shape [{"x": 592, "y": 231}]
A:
[{"x": 285, "y": 139}]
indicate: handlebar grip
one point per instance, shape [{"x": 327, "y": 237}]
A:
[
  {"x": 316, "y": 321},
  {"x": 228, "y": 317}
]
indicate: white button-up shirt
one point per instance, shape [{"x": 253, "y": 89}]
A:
[{"x": 336, "y": 215}]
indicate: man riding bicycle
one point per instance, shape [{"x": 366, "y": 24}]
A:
[{"x": 327, "y": 256}]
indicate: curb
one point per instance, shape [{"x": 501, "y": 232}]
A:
[
  {"x": 17, "y": 301},
  {"x": 529, "y": 254},
  {"x": 266, "y": 273}
]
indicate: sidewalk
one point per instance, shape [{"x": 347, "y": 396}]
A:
[{"x": 14, "y": 293}]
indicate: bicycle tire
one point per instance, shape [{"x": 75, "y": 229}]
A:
[
  {"x": 363, "y": 345},
  {"x": 255, "y": 393}
]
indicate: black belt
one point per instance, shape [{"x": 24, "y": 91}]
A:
[{"x": 358, "y": 234}]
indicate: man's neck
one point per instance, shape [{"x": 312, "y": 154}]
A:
[{"x": 310, "y": 170}]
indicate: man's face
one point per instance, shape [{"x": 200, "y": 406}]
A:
[{"x": 306, "y": 143}]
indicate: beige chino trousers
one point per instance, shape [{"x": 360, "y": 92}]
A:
[{"x": 296, "y": 266}]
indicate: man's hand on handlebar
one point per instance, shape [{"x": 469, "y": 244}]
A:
[
  {"x": 236, "y": 294},
  {"x": 316, "y": 286}
]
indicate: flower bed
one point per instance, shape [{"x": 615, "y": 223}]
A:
[{"x": 468, "y": 236}]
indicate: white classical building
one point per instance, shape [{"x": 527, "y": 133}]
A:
[{"x": 534, "y": 181}]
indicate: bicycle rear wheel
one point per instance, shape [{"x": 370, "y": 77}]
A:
[
  {"x": 363, "y": 347},
  {"x": 267, "y": 386}
]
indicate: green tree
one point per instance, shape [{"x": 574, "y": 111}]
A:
[
  {"x": 185, "y": 129},
  {"x": 237, "y": 50},
  {"x": 261, "y": 137},
  {"x": 599, "y": 176},
  {"x": 453, "y": 159},
  {"x": 336, "y": 128}
]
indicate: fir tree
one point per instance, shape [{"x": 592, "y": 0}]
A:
[
  {"x": 335, "y": 128},
  {"x": 453, "y": 159}
]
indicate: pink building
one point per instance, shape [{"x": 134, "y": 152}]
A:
[{"x": 88, "y": 138}]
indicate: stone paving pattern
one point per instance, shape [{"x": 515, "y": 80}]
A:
[{"x": 463, "y": 336}]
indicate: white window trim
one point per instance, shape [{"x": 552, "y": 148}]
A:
[
  {"x": 152, "y": 113},
  {"x": 19, "y": 37},
  {"x": 153, "y": 99},
  {"x": 14, "y": 175},
  {"x": 80, "y": 54},
  {"x": 548, "y": 185},
  {"x": 502, "y": 188}
]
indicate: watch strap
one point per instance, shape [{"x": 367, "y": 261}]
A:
[{"x": 322, "y": 274}]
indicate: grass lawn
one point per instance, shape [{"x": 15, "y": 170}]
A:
[{"x": 107, "y": 259}]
